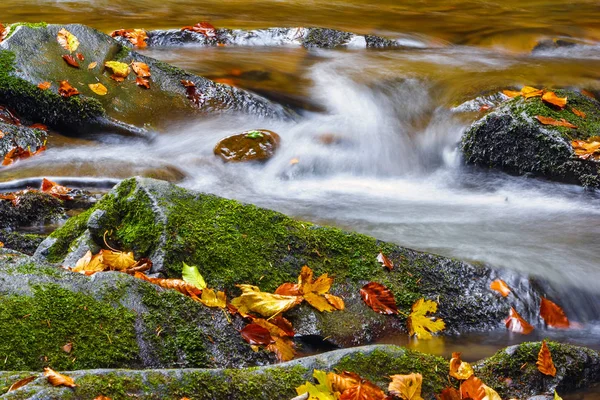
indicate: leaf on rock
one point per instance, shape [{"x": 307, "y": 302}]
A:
[
  {"x": 553, "y": 314},
  {"x": 266, "y": 304},
  {"x": 3, "y": 32},
  {"x": 556, "y": 396},
  {"x": 472, "y": 388},
  {"x": 544, "y": 361},
  {"x": 204, "y": 28},
  {"x": 66, "y": 90},
  {"x": 70, "y": 60},
  {"x": 335, "y": 301},
  {"x": 579, "y": 113},
  {"x": 141, "y": 69},
  {"x": 386, "y": 262},
  {"x": 67, "y": 40},
  {"x": 281, "y": 332},
  {"x": 449, "y": 393},
  {"x": 283, "y": 349},
  {"x": 19, "y": 153},
  {"x": 89, "y": 263},
  {"x": 191, "y": 275},
  {"x": 491, "y": 394},
  {"x": 119, "y": 70},
  {"x": 137, "y": 37},
  {"x": 553, "y": 99},
  {"x": 515, "y": 323},
  {"x": 142, "y": 82},
  {"x": 57, "y": 379},
  {"x": 511, "y": 93},
  {"x": 45, "y": 85},
  {"x": 192, "y": 93},
  {"x": 528, "y": 92},
  {"x": 379, "y": 298},
  {"x": 587, "y": 149},
  {"x": 118, "y": 260},
  {"x": 551, "y": 121},
  {"x": 175, "y": 284},
  {"x": 92, "y": 65},
  {"x": 460, "y": 369},
  {"x": 56, "y": 190},
  {"x": 256, "y": 334},
  {"x": 319, "y": 302},
  {"x": 22, "y": 382},
  {"x": 98, "y": 88},
  {"x": 344, "y": 381},
  {"x": 288, "y": 289},
  {"x": 211, "y": 299},
  {"x": 321, "y": 391},
  {"x": 407, "y": 387},
  {"x": 501, "y": 287},
  {"x": 421, "y": 325},
  {"x": 80, "y": 57},
  {"x": 365, "y": 390}
]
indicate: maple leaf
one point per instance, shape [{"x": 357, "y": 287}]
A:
[
  {"x": 516, "y": 323},
  {"x": 421, "y": 325},
  {"x": 551, "y": 98},
  {"x": 44, "y": 85},
  {"x": 500, "y": 286},
  {"x": 67, "y": 40},
  {"x": 407, "y": 387},
  {"x": 551, "y": 121},
  {"x": 459, "y": 369},
  {"x": 175, "y": 284},
  {"x": 266, "y": 304},
  {"x": 118, "y": 260},
  {"x": 204, "y": 28},
  {"x": 544, "y": 361},
  {"x": 98, "y": 88},
  {"x": 90, "y": 263},
  {"x": 119, "y": 70},
  {"x": 141, "y": 69},
  {"x": 211, "y": 299},
  {"x": 191, "y": 275},
  {"x": 66, "y": 90},
  {"x": 553, "y": 315},
  {"x": 379, "y": 298},
  {"x": 56, "y": 190},
  {"x": 137, "y": 37},
  {"x": 256, "y": 334},
  {"x": 472, "y": 388},
  {"x": 69, "y": 59},
  {"x": 21, "y": 382},
  {"x": 283, "y": 349},
  {"x": 449, "y": 393},
  {"x": 386, "y": 262},
  {"x": 587, "y": 149},
  {"x": 289, "y": 289},
  {"x": 57, "y": 379}
]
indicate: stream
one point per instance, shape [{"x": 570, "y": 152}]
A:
[{"x": 375, "y": 149}]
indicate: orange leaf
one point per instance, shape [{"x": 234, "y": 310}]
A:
[
  {"x": 66, "y": 90},
  {"x": 500, "y": 286},
  {"x": 3, "y": 32},
  {"x": 335, "y": 301},
  {"x": 344, "y": 381},
  {"x": 1, "y": 134},
  {"x": 379, "y": 298},
  {"x": 57, "y": 379},
  {"x": 449, "y": 393},
  {"x": 365, "y": 390},
  {"x": 544, "y": 361},
  {"x": 511, "y": 93},
  {"x": 283, "y": 349},
  {"x": 101, "y": 397},
  {"x": 553, "y": 314},
  {"x": 588, "y": 94},
  {"x": 528, "y": 92},
  {"x": 204, "y": 28},
  {"x": 288, "y": 289},
  {"x": 67, "y": 347},
  {"x": 137, "y": 37},
  {"x": 45, "y": 85},
  {"x": 586, "y": 149},
  {"x": 22, "y": 382},
  {"x": 56, "y": 190},
  {"x": 285, "y": 326},
  {"x": 407, "y": 387},
  {"x": 472, "y": 388},
  {"x": 1, "y": 245},
  {"x": 141, "y": 69},
  {"x": 459, "y": 369},
  {"x": 71, "y": 60},
  {"x": 579, "y": 113},
  {"x": 176, "y": 284},
  {"x": 80, "y": 57},
  {"x": 551, "y": 98},
  {"x": 19, "y": 153},
  {"x": 319, "y": 302},
  {"x": 516, "y": 323},
  {"x": 386, "y": 262},
  {"x": 553, "y": 122},
  {"x": 142, "y": 82},
  {"x": 256, "y": 334}
]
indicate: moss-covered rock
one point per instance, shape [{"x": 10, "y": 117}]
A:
[
  {"x": 25, "y": 243},
  {"x": 233, "y": 243},
  {"x": 511, "y": 139},
  {"x": 21, "y": 136},
  {"x": 32, "y": 208},
  {"x": 513, "y": 373}
]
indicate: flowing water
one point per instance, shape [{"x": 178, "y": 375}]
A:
[{"x": 392, "y": 169}]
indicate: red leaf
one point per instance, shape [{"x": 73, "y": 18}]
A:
[
  {"x": 386, "y": 262},
  {"x": 80, "y": 57},
  {"x": 288, "y": 289},
  {"x": 66, "y": 90},
  {"x": 379, "y": 298},
  {"x": 516, "y": 323},
  {"x": 256, "y": 334},
  {"x": 204, "y": 28},
  {"x": 553, "y": 314},
  {"x": 192, "y": 93},
  {"x": 71, "y": 60}
]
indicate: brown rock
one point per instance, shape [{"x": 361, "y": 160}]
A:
[{"x": 256, "y": 145}]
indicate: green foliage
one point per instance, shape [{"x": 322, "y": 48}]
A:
[{"x": 190, "y": 274}]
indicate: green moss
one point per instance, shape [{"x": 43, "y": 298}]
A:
[
  {"x": 66, "y": 236},
  {"x": 32, "y": 25},
  {"x": 33, "y": 330},
  {"x": 33, "y": 268},
  {"x": 123, "y": 52}
]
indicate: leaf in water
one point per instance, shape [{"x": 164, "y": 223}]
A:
[
  {"x": 45, "y": 85},
  {"x": 500, "y": 286},
  {"x": 192, "y": 93},
  {"x": 407, "y": 387},
  {"x": 175, "y": 284},
  {"x": 98, "y": 88},
  {"x": 515, "y": 323},
  {"x": 551, "y": 98},
  {"x": 544, "y": 361},
  {"x": 365, "y": 390},
  {"x": 204, "y": 28},
  {"x": 386, "y": 262},
  {"x": 141, "y": 69},
  {"x": 118, "y": 260},
  {"x": 553, "y": 122},
  {"x": 579, "y": 113},
  {"x": 70, "y": 60},
  {"x": 211, "y": 299},
  {"x": 191, "y": 275},
  {"x": 254, "y": 134},
  {"x": 67, "y": 40},
  {"x": 421, "y": 325},
  {"x": 553, "y": 314},
  {"x": 57, "y": 379},
  {"x": 587, "y": 149},
  {"x": 256, "y": 334},
  {"x": 56, "y": 190},
  {"x": 66, "y": 90},
  {"x": 92, "y": 65},
  {"x": 449, "y": 393},
  {"x": 22, "y": 382},
  {"x": 472, "y": 388},
  {"x": 379, "y": 298},
  {"x": 142, "y": 82},
  {"x": 266, "y": 304},
  {"x": 459, "y": 369},
  {"x": 119, "y": 70}
]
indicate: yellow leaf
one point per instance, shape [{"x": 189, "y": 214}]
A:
[
  {"x": 407, "y": 387},
  {"x": 67, "y": 40},
  {"x": 90, "y": 263},
  {"x": 528, "y": 92},
  {"x": 491, "y": 394},
  {"x": 118, "y": 260},
  {"x": 319, "y": 302},
  {"x": 322, "y": 391},
  {"x": 57, "y": 379},
  {"x": 556, "y": 396},
  {"x": 211, "y": 299},
  {"x": 92, "y": 65},
  {"x": 283, "y": 349},
  {"x": 335, "y": 301},
  {"x": 98, "y": 88},
  {"x": 320, "y": 286},
  {"x": 460, "y": 369},
  {"x": 587, "y": 149},
  {"x": 421, "y": 325},
  {"x": 511, "y": 93},
  {"x": 119, "y": 69},
  {"x": 266, "y": 304},
  {"x": 551, "y": 98}
]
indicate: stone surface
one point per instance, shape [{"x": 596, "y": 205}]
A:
[
  {"x": 21, "y": 136},
  {"x": 256, "y": 145},
  {"x": 33, "y": 208}
]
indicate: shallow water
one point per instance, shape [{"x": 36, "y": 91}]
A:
[{"x": 394, "y": 171}]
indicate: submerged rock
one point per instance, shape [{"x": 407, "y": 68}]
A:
[
  {"x": 233, "y": 243},
  {"x": 126, "y": 108},
  {"x": 512, "y": 139},
  {"x": 257, "y": 145}
]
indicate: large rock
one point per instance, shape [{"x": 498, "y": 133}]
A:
[
  {"x": 233, "y": 243},
  {"x": 21, "y": 136},
  {"x": 248, "y": 146},
  {"x": 32, "y": 208},
  {"x": 511, "y": 139},
  {"x": 32, "y": 55}
]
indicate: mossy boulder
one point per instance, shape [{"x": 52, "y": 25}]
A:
[
  {"x": 32, "y": 208},
  {"x": 32, "y": 55},
  {"x": 233, "y": 243},
  {"x": 257, "y": 145},
  {"x": 513, "y": 373},
  {"x": 512, "y": 139},
  {"x": 25, "y": 243},
  {"x": 19, "y": 136}
]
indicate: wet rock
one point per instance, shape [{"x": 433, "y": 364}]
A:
[
  {"x": 112, "y": 320},
  {"x": 511, "y": 139},
  {"x": 127, "y": 108},
  {"x": 32, "y": 208},
  {"x": 25, "y": 243},
  {"x": 513, "y": 373},
  {"x": 19, "y": 136},
  {"x": 233, "y": 243},
  {"x": 258, "y": 145},
  {"x": 553, "y": 44}
]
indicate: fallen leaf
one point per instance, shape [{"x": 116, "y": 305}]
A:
[
  {"x": 191, "y": 275},
  {"x": 1, "y": 245},
  {"x": 407, "y": 387},
  {"x": 66, "y": 90},
  {"x": 192, "y": 93},
  {"x": 528, "y": 92},
  {"x": 335, "y": 301},
  {"x": 39, "y": 126},
  {"x": 500, "y": 286},
  {"x": 98, "y": 88},
  {"x": 589, "y": 94},
  {"x": 553, "y": 122},
  {"x": 211, "y": 299},
  {"x": 256, "y": 334},
  {"x": 379, "y": 298},
  {"x": 67, "y": 40},
  {"x": 553, "y": 315},
  {"x": 45, "y": 85},
  {"x": 421, "y": 325},
  {"x": 118, "y": 260},
  {"x": 472, "y": 388},
  {"x": 57, "y": 379},
  {"x": 204, "y": 28},
  {"x": 544, "y": 361},
  {"x": 491, "y": 394},
  {"x": 92, "y": 65},
  {"x": 321, "y": 391},
  {"x": 22, "y": 382},
  {"x": 119, "y": 70},
  {"x": 137, "y": 37},
  {"x": 19, "y": 153},
  {"x": 556, "y": 396},
  {"x": 288, "y": 289},
  {"x": 70, "y": 60},
  {"x": 511, "y": 93},
  {"x": 1, "y": 134},
  {"x": 579, "y": 113},
  {"x": 90, "y": 263},
  {"x": 551, "y": 98},
  {"x": 515, "y": 323},
  {"x": 314, "y": 291},
  {"x": 143, "y": 82},
  {"x": 283, "y": 349},
  {"x": 3, "y": 32},
  {"x": 101, "y": 397},
  {"x": 266, "y": 304},
  {"x": 175, "y": 284},
  {"x": 141, "y": 69},
  {"x": 386, "y": 262},
  {"x": 67, "y": 347},
  {"x": 586, "y": 149},
  {"x": 319, "y": 302},
  {"x": 56, "y": 190},
  {"x": 459, "y": 369},
  {"x": 449, "y": 393},
  {"x": 80, "y": 57},
  {"x": 344, "y": 381},
  {"x": 365, "y": 390}
]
